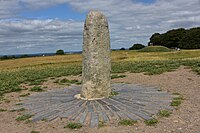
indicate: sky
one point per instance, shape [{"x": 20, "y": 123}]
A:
[{"x": 43, "y": 26}]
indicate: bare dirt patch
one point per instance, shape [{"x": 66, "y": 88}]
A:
[{"x": 186, "y": 119}]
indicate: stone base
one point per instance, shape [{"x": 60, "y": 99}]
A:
[
  {"x": 78, "y": 96},
  {"x": 133, "y": 102}
]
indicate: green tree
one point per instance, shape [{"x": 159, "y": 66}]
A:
[
  {"x": 136, "y": 47},
  {"x": 60, "y": 52},
  {"x": 191, "y": 40},
  {"x": 186, "y": 39},
  {"x": 155, "y": 39},
  {"x": 173, "y": 37},
  {"x": 122, "y": 49}
]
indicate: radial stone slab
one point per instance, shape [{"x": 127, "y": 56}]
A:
[{"x": 133, "y": 102}]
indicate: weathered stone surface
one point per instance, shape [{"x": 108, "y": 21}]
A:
[{"x": 96, "y": 57}]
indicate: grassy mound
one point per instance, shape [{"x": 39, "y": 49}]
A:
[{"x": 155, "y": 49}]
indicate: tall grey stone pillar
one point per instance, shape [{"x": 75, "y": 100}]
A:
[{"x": 96, "y": 57}]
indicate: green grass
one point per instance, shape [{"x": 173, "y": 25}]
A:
[
  {"x": 113, "y": 93},
  {"x": 114, "y": 76},
  {"x": 2, "y": 110},
  {"x": 37, "y": 82},
  {"x": 23, "y": 117},
  {"x": 176, "y": 93},
  {"x": 151, "y": 122},
  {"x": 24, "y": 95},
  {"x": 21, "y": 109},
  {"x": 155, "y": 49},
  {"x": 148, "y": 62},
  {"x": 18, "y": 110},
  {"x": 72, "y": 125},
  {"x": 18, "y": 104},
  {"x": 35, "y": 132},
  {"x": 6, "y": 101},
  {"x": 56, "y": 81},
  {"x": 10, "y": 80},
  {"x": 45, "y": 120},
  {"x": 67, "y": 81},
  {"x": 36, "y": 89},
  {"x": 127, "y": 122},
  {"x": 177, "y": 100},
  {"x": 164, "y": 113},
  {"x": 101, "y": 124},
  {"x": 28, "y": 121}
]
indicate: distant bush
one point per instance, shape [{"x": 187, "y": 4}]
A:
[
  {"x": 155, "y": 49},
  {"x": 5, "y": 57},
  {"x": 60, "y": 52},
  {"x": 122, "y": 49},
  {"x": 181, "y": 38},
  {"x": 24, "y": 56},
  {"x": 136, "y": 47}
]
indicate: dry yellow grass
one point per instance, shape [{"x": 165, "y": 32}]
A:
[
  {"x": 117, "y": 56},
  {"x": 155, "y": 56},
  {"x": 34, "y": 61},
  {"x": 37, "y": 69}
]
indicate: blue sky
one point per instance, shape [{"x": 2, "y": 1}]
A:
[
  {"x": 35, "y": 26},
  {"x": 61, "y": 11}
]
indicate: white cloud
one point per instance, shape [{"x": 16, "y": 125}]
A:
[
  {"x": 130, "y": 22},
  {"x": 30, "y": 36}
]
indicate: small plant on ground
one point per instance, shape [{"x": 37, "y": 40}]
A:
[
  {"x": 74, "y": 81},
  {"x": 176, "y": 93},
  {"x": 35, "y": 132},
  {"x": 101, "y": 124},
  {"x": 126, "y": 122},
  {"x": 67, "y": 81},
  {"x": 28, "y": 121},
  {"x": 22, "y": 109},
  {"x": 113, "y": 93},
  {"x": 37, "y": 82},
  {"x": 44, "y": 119},
  {"x": 164, "y": 113},
  {"x": 23, "y": 117},
  {"x": 24, "y": 95},
  {"x": 175, "y": 103},
  {"x": 6, "y": 101},
  {"x": 3, "y": 110},
  {"x": 36, "y": 89},
  {"x": 18, "y": 104},
  {"x": 13, "y": 110},
  {"x": 64, "y": 80},
  {"x": 56, "y": 81},
  {"x": 117, "y": 76},
  {"x": 177, "y": 100},
  {"x": 72, "y": 125},
  {"x": 151, "y": 122},
  {"x": 18, "y": 110}
]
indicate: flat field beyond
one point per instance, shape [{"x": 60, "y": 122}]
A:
[{"x": 176, "y": 72}]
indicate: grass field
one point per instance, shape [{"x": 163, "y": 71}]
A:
[{"x": 37, "y": 69}]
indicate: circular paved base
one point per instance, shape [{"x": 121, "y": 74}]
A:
[{"x": 133, "y": 102}]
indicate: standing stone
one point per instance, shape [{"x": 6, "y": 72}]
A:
[{"x": 96, "y": 57}]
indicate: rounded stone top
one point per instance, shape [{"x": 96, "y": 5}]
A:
[
  {"x": 96, "y": 17},
  {"x": 95, "y": 13}
]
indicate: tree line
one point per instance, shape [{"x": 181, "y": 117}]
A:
[{"x": 177, "y": 38}]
